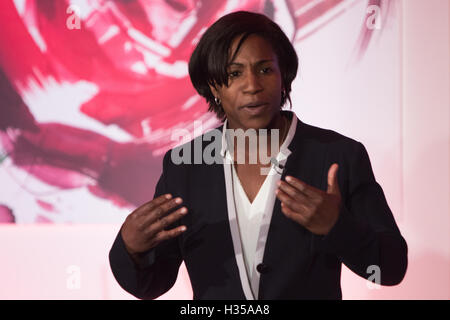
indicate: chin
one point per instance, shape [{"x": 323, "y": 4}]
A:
[
  {"x": 263, "y": 121},
  {"x": 260, "y": 122},
  {"x": 257, "y": 121}
]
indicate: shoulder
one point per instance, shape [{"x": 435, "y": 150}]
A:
[
  {"x": 331, "y": 140},
  {"x": 330, "y": 147},
  {"x": 192, "y": 150}
]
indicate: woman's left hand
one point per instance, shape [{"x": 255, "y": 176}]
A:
[{"x": 313, "y": 208}]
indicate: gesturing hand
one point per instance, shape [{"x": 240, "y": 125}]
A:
[
  {"x": 313, "y": 208},
  {"x": 144, "y": 228}
]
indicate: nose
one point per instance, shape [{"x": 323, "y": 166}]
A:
[{"x": 252, "y": 84}]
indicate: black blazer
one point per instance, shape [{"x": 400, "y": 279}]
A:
[{"x": 297, "y": 263}]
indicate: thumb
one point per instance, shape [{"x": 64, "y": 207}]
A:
[{"x": 333, "y": 186}]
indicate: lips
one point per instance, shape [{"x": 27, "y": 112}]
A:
[
  {"x": 254, "y": 108},
  {"x": 253, "y": 104}
]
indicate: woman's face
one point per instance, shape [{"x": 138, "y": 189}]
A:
[{"x": 253, "y": 96}]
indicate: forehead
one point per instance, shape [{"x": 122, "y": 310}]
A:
[{"x": 253, "y": 48}]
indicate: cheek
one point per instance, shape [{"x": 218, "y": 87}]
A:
[
  {"x": 229, "y": 98},
  {"x": 275, "y": 82},
  {"x": 276, "y": 88}
]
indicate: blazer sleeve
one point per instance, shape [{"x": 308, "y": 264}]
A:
[
  {"x": 157, "y": 269},
  {"x": 366, "y": 235}
]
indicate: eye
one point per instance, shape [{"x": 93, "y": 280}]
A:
[
  {"x": 266, "y": 70},
  {"x": 234, "y": 74}
]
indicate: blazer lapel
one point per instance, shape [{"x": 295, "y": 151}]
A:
[
  {"x": 225, "y": 205},
  {"x": 235, "y": 234}
]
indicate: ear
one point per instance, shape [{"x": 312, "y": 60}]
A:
[{"x": 214, "y": 91}]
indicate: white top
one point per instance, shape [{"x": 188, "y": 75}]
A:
[{"x": 253, "y": 219}]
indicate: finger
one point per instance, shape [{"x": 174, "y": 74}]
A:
[
  {"x": 333, "y": 186},
  {"x": 162, "y": 210},
  {"x": 169, "y": 234},
  {"x": 285, "y": 199},
  {"x": 292, "y": 192},
  {"x": 150, "y": 205},
  {"x": 303, "y": 187},
  {"x": 289, "y": 213},
  {"x": 163, "y": 223}
]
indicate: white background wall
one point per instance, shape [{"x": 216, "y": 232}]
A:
[{"x": 425, "y": 149}]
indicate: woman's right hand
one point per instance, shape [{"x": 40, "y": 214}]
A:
[{"x": 144, "y": 228}]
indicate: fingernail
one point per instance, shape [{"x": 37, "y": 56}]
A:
[
  {"x": 183, "y": 228},
  {"x": 178, "y": 200},
  {"x": 288, "y": 178},
  {"x": 168, "y": 196},
  {"x": 183, "y": 210}
]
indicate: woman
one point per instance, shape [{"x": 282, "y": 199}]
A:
[{"x": 277, "y": 230}]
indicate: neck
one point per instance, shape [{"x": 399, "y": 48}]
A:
[{"x": 252, "y": 150}]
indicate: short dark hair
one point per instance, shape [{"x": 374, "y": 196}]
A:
[{"x": 209, "y": 61}]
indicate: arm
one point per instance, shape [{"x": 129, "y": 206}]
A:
[
  {"x": 359, "y": 229},
  {"x": 365, "y": 232},
  {"x": 152, "y": 273}
]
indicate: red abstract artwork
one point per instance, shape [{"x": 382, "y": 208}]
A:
[{"x": 90, "y": 92}]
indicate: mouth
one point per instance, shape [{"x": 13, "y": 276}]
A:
[
  {"x": 254, "y": 108},
  {"x": 253, "y": 105}
]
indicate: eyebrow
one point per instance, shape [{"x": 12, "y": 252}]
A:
[{"x": 257, "y": 63}]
